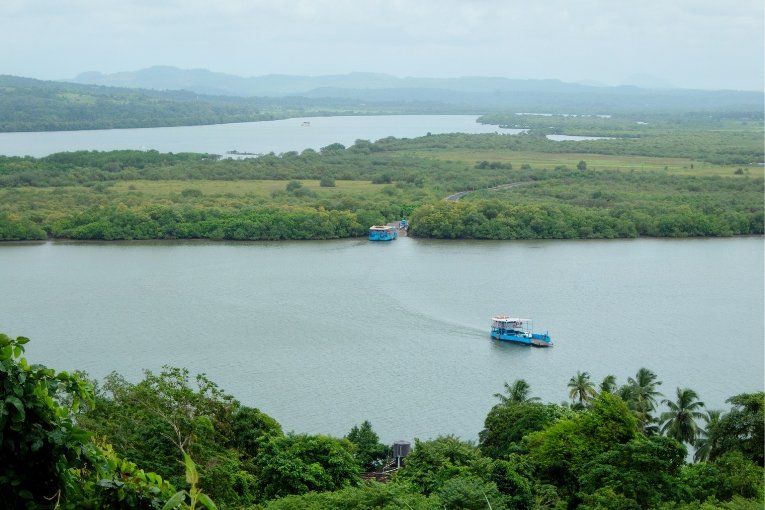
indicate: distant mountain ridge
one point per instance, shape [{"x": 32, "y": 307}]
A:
[
  {"x": 479, "y": 94},
  {"x": 204, "y": 81},
  {"x": 168, "y": 96}
]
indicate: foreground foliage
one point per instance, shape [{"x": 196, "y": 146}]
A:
[
  {"x": 65, "y": 444},
  {"x": 49, "y": 461}
]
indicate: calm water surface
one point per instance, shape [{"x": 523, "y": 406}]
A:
[
  {"x": 253, "y": 137},
  {"x": 323, "y": 335}
]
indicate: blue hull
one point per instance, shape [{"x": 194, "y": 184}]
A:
[
  {"x": 374, "y": 236},
  {"x": 536, "y": 339}
]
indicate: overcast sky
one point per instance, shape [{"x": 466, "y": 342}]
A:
[{"x": 710, "y": 44}]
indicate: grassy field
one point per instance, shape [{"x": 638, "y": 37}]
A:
[
  {"x": 260, "y": 189},
  {"x": 674, "y": 166}
]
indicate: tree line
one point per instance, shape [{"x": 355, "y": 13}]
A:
[
  {"x": 723, "y": 137},
  {"x": 492, "y": 219},
  {"x": 73, "y": 195},
  {"x": 172, "y": 440}
]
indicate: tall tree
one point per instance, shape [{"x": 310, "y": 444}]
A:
[
  {"x": 506, "y": 425},
  {"x": 608, "y": 385},
  {"x": 742, "y": 428},
  {"x": 160, "y": 419},
  {"x": 516, "y": 393},
  {"x": 641, "y": 394},
  {"x": 369, "y": 453},
  {"x": 560, "y": 451},
  {"x": 644, "y": 470},
  {"x": 679, "y": 422},
  {"x": 581, "y": 387},
  {"x": 704, "y": 444}
]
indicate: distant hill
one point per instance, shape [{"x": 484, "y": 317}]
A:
[
  {"x": 209, "y": 82},
  {"x": 33, "y": 105},
  {"x": 166, "y": 96},
  {"x": 203, "y": 81},
  {"x": 647, "y": 81},
  {"x": 481, "y": 93},
  {"x": 601, "y": 100}
]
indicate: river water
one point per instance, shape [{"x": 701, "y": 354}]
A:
[
  {"x": 323, "y": 335},
  {"x": 251, "y": 137}
]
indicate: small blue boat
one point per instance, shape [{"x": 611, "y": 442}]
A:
[
  {"x": 512, "y": 329},
  {"x": 383, "y": 233}
]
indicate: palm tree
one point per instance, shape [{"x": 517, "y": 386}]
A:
[
  {"x": 680, "y": 421},
  {"x": 645, "y": 384},
  {"x": 640, "y": 394},
  {"x": 704, "y": 443},
  {"x": 516, "y": 393},
  {"x": 581, "y": 386},
  {"x": 609, "y": 384}
]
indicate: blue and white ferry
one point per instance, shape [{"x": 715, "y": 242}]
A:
[
  {"x": 383, "y": 233},
  {"x": 513, "y": 329}
]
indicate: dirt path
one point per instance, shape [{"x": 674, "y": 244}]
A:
[{"x": 457, "y": 196}]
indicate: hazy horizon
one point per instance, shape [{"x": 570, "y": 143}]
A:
[
  {"x": 642, "y": 80},
  {"x": 701, "y": 44}
]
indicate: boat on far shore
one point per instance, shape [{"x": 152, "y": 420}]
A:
[
  {"x": 383, "y": 233},
  {"x": 513, "y": 329}
]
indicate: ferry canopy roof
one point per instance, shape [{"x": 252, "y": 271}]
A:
[{"x": 507, "y": 318}]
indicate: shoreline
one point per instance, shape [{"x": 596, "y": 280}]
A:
[{"x": 60, "y": 240}]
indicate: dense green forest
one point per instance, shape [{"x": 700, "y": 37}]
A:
[
  {"x": 172, "y": 440},
  {"x": 706, "y": 182}
]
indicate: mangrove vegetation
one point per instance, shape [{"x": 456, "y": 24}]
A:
[{"x": 669, "y": 179}]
